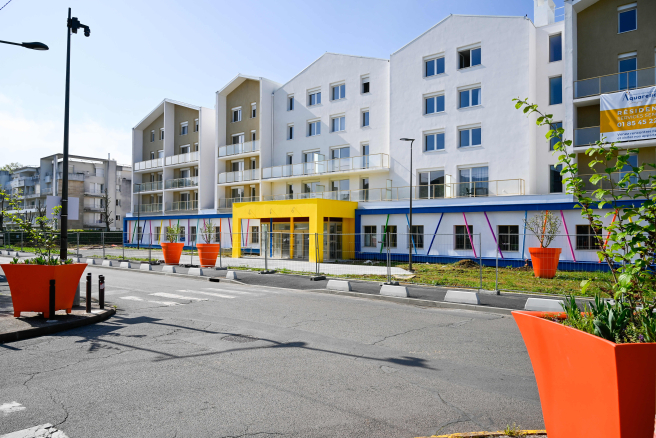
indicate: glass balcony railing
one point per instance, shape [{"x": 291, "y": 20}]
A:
[
  {"x": 182, "y": 206},
  {"x": 150, "y": 208},
  {"x": 180, "y": 183},
  {"x": 615, "y": 178},
  {"x": 629, "y": 80},
  {"x": 239, "y": 148},
  {"x": 350, "y": 164},
  {"x": 148, "y": 187},
  {"x": 227, "y": 202},
  {"x": 586, "y": 136},
  {"x": 72, "y": 176},
  {"x": 182, "y": 158},
  {"x": 149, "y": 164},
  {"x": 239, "y": 175}
]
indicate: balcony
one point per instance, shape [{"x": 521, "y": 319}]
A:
[
  {"x": 96, "y": 223},
  {"x": 148, "y": 187},
  {"x": 25, "y": 181},
  {"x": 227, "y": 202},
  {"x": 240, "y": 148},
  {"x": 47, "y": 178},
  {"x": 180, "y": 183},
  {"x": 181, "y": 159},
  {"x": 90, "y": 192},
  {"x": 239, "y": 176},
  {"x": 630, "y": 80},
  {"x": 182, "y": 206},
  {"x": 340, "y": 165},
  {"x": 586, "y": 136},
  {"x": 72, "y": 176},
  {"x": 46, "y": 192},
  {"x": 150, "y": 208},
  {"x": 615, "y": 178},
  {"x": 96, "y": 208},
  {"x": 149, "y": 164}
]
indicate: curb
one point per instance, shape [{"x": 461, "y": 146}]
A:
[
  {"x": 49, "y": 330},
  {"x": 488, "y": 434}
]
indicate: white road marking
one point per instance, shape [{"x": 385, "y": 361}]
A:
[
  {"x": 166, "y": 303},
  {"x": 179, "y": 297},
  {"x": 8, "y": 408},
  {"x": 207, "y": 293},
  {"x": 131, "y": 298},
  {"x": 230, "y": 291}
]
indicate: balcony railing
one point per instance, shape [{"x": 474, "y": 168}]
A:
[
  {"x": 94, "y": 223},
  {"x": 239, "y": 148},
  {"x": 182, "y": 206},
  {"x": 47, "y": 178},
  {"x": 150, "y": 208},
  {"x": 148, "y": 187},
  {"x": 615, "y": 177},
  {"x": 72, "y": 176},
  {"x": 93, "y": 192},
  {"x": 364, "y": 162},
  {"x": 239, "y": 175},
  {"x": 182, "y": 158},
  {"x": 180, "y": 183},
  {"x": 630, "y": 80},
  {"x": 149, "y": 164},
  {"x": 586, "y": 136},
  {"x": 227, "y": 202},
  {"x": 46, "y": 192},
  {"x": 93, "y": 208}
]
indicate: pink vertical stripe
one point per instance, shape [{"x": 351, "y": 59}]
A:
[
  {"x": 492, "y": 230},
  {"x": 562, "y": 216},
  {"x": 469, "y": 234}
]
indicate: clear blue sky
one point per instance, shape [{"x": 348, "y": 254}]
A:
[{"x": 141, "y": 51}]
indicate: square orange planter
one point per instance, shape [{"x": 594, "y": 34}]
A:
[
  {"x": 30, "y": 286},
  {"x": 590, "y": 387}
]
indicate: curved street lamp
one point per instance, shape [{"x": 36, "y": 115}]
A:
[{"x": 33, "y": 46}]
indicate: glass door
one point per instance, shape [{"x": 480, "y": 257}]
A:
[{"x": 628, "y": 77}]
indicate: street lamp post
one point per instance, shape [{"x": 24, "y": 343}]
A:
[
  {"x": 410, "y": 244},
  {"x": 73, "y": 24},
  {"x": 33, "y": 46}
]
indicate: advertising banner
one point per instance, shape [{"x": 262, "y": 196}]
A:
[{"x": 628, "y": 115}]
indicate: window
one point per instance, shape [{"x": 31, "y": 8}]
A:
[
  {"x": 192, "y": 234},
  {"x": 627, "y": 18},
  {"x": 431, "y": 184},
  {"x": 341, "y": 188},
  {"x": 152, "y": 155},
  {"x": 586, "y": 238},
  {"x": 508, "y": 237},
  {"x": 196, "y": 125},
  {"x": 290, "y": 132},
  {"x": 365, "y": 87},
  {"x": 471, "y": 97},
  {"x": 338, "y": 124},
  {"x": 556, "y": 48},
  {"x": 365, "y": 117},
  {"x": 118, "y": 202},
  {"x": 314, "y": 128},
  {"x": 434, "y": 104},
  {"x": 434, "y": 142},
  {"x": 255, "y": 234},
  {"x": 100, "y": 171},
  {"x": 370, "y": 235},
  {"x": 152, "y": 136},
  {"x": 433, "y": 67},
  {"x": 161, "y": 134},
  {"x": 237, "y": 138},
  {"x": 118, "y": 217},
  {"x": 290, "y": 102},
  {"x": 253, "y": 135},
  {"x": 553, "y": 141},
  {"x": 462, "y": 237},
  {"x": 236, "y": 115},
  {"x": 391, "y": 230},
  {"x": 184, "y": 149},
  {"x": 314, "y": 98},
  {"x": 555, "y": 179},
  {"x": 253, "y": 110},
  {"x": 628, "y": 77},
  {"x": 417, "y": 236},
  {"x": 556, "y": 90},
  {"x": 469, "y": 58},
  {"x": 339, "y": 91},
  {"x": 343, "y": 152},
  {"x": 473, "y": 181},
  {"x": 289, "y": 159},
  {"x": 469, "y": 137},
  {"x": 183, "y": 128}
]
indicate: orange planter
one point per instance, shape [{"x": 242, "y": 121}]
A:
[
  {"x": 590, "y": 387},
  {"x": 172, "y": 252},
  {"x": 30, "y": 286},
  {"x": 545, "y": 261},
  {"x": 207, "y": 253}
]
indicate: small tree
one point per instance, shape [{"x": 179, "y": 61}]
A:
[
  {"x": 173, "y": 233},
  {"x": 41, "y": 211},
  {"x": 545, "y": 225},
  {"x": 207, "y": 230},
  {"x": 107, "y": 213},
  {"x": 11, "y": 167},
  {"x": 4, "y": 200}
]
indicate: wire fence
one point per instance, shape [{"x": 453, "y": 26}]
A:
[{"x": 508, "y": 261}]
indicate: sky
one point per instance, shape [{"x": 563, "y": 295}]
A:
[{"x": 142, "y": 51}]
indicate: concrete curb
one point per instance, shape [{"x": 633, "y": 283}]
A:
[
  {"x": 487, "y": 434},
  {"x": 339, "y": 285},
  {"x": 51, "y": 329},
  {"x": 458, "y": 296}
]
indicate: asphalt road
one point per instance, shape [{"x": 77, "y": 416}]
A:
[{"x": 191, "y": 358}]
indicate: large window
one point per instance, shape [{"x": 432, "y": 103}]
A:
[
  {"x": 555, "y": 179},
  {"x": 473, "y": 181},
  {"x": 554, "y": 140},
  {"x": 314, "y": 128},
  {"x": 556, "y": 48},
  {"x": 586, "y": 238},
  {"x": 469, "y": 57},
  {"x": 556, "y": 90},
  {"x": 462, "y": 237},
  {"x": 338, "y": 124},
  {"x": 337, "y": 153},
  {"x": 391, "y": 230},
  {"x": 471, "y": 97},
  {"x": 339, "y": 91},
  {"x": 434, "y": 66},
  {"x": 508, "y": 237},
  {"x": 628, "y": 77},
  {"x": 431, "y": 184},
  {"x": 314, "y": 98},
  {"x": 434, "y": 142},
  {"x": 627, "y": 18},
  {"x": 434, "y": 104},
  {"x": 469, "y": 137},
  {"x": 416, "y": 236},
  {"x": 370, "y": 235}
]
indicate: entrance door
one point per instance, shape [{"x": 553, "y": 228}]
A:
[
  {"x": 302, "y": 240},
  {"x": 332, "y": 240},
  {"x": 281, "y": 240}
]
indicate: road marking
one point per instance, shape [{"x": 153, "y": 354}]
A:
[
  {"x": 207, "y": 293},
  {"x": 179, "y": 297},
  {"x": 166, "y": 303},
  {"x": 230, "y": 291},
  {"x": 131, "y": 298},
  {"x": 8, "y": 408}
]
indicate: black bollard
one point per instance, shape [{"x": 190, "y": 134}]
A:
[
  {"x": 51, "y": 301},
  {"x": 101, "y": 291},
  {"x": 89, "y": 292}
]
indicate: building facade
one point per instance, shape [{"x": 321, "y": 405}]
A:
[{"x": 322, "y": 154}]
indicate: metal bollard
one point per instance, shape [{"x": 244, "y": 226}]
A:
[
  {"x": 88, "y": 299},
  {"x": 78, "y": 246},
  {"x": 51, "y": 300},
  {"x": 102, "y": 239},
  {"x": 101, "y": 291}
]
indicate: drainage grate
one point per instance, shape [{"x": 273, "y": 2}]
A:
[{"x": 239, "y": 338}]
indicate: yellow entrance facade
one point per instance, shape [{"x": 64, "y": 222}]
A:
[{"x": 316, "y": 210}]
